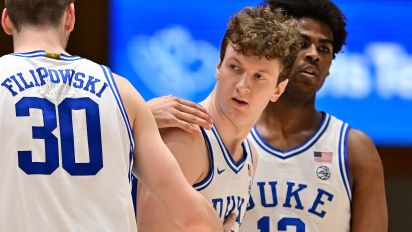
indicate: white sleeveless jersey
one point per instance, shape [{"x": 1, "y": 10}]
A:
[
  {"x": 306, "y": 188},
  {"x": 66, "y": 145},
  {"x": 228, "y": 183}
]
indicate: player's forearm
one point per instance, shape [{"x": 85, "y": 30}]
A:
[
  {"x": 188, "y": 208},
  {"x": 202, "y": 218}
]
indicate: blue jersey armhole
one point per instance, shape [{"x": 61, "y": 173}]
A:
[
  {"x": 343, "y": 159},
  {"x": 112, "y": 84},
  {"x": 206, "y": 182}
]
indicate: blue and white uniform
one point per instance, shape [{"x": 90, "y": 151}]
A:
[
  {"x": 306, "y": 188},
  {"x": 66, "y": 144},
  {"x": 228, "y": 183}
]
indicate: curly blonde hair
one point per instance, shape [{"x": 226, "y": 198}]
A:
[{"x": 263, "y": 32}]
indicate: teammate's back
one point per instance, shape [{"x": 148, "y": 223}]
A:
[
  {"x": 68, "y": 129},
  {"x": 66, "y": 146}
]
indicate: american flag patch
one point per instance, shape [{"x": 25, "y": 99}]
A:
[
  {"x": 249, "y": 170},
  {"x": 324, "y": 157}
]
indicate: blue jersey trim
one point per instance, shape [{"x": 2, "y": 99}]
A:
[
  {"x": 42, "y": 53},
  {"x": 135, "y": 184},
  {"x": 112, "y": 84},
  {"x": 250, "y": 150},
  {"x": 205, "y": 182},
  {"x": 297, "y": 150},
  {"x": 130, "y": 164},
  {"x": 236, "y": 167},
  {"x": 346, "y": 161},
  {"x": 343, "y": 159}
]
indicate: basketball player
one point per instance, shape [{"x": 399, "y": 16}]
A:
[
  {"x": 315, "y": 172},
  {"x": 69, "y": 129},
  {"x": 257, "y": 49}
]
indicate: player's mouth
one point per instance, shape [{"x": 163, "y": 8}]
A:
[
  {"x": 310, "y": 71},
  {"x": 308, "y": 74},
  {"x": 239, "y": 103}
]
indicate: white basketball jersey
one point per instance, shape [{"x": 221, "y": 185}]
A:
[
  {"x": 228, "y": 183},
  {"x": 306, "y": 188},
  {"x": 66, "y": 145}
]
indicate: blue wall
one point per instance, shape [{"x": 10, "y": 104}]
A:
[{"x": 172, "y": 47}]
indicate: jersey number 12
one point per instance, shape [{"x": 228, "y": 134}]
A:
[{"x": 263, "y": 224}]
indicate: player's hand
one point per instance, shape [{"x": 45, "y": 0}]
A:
[
  {"x": 229, "y": 222},
  {"x": 171, "y": 111}
]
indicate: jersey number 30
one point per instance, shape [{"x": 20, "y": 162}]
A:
[{"x": 51, "y": 143}]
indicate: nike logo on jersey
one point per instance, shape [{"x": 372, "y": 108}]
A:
[{"x": 220, "y": 171}]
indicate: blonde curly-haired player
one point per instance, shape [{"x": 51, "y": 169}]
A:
[{"x": 258, "y": 47}]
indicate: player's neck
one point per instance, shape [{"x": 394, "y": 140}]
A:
[
  {"x": 231, "y": 133},
  {"x": 30, "y": 39},
  {"x": 290, "y": 118},
  {"x": 288, "y": 129}
]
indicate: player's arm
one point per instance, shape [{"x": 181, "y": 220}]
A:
[
  {"x": 159, "y": 171},
  {"x": 170, "y": 111},
  {"x": 369, "y": 211},
  {"x": 187, "y": 149},
  {"x": 190, "y": 152}
]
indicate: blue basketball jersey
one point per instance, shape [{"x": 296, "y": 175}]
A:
[
  {"x": 228, "y": 183},
  {"x": 66, "y": 144},
  {"x": 306, "y": 188}
]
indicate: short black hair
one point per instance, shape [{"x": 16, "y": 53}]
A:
[
  {"x": 323, "y": 10},
  {"x": 36, "y": 12}
]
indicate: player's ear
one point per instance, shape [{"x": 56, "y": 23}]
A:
[
  {"x": 279, "y": 90},
  {"x": 218, "y": 70},
  {"x": 69, "y": 18},
  {"x": 6, "y": 22}
]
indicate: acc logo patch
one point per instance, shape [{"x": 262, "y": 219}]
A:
[{"x": 323, "y": 172}]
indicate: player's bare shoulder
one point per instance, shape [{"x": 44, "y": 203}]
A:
[
  {"x": 183, "y": 142},
  {"x": 189, "y": 150},
  {"x": 125, "y": 87},
  {"x": 131, "y": 98},
  {"x": 360, "y": 144},
  {"x": 175, "y": 134},
  {"x": 362, "y": 153}
]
